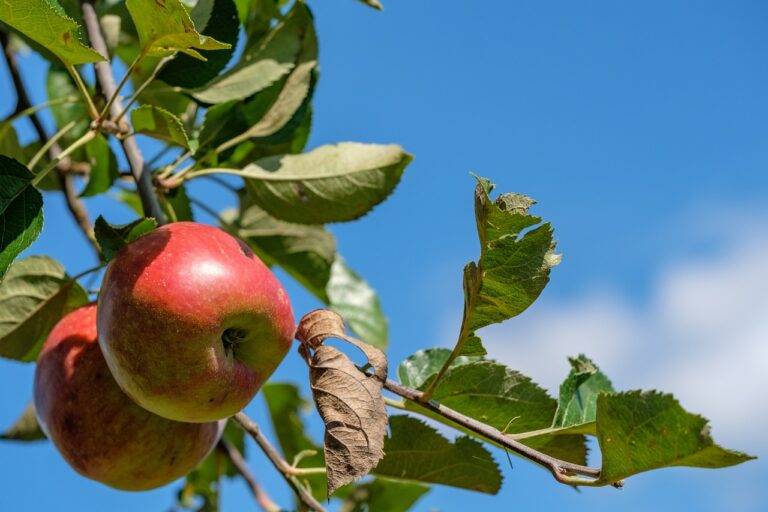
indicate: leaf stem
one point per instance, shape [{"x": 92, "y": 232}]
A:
[
  {"x": 237, "y": 460},
  {"x": 48, "y": 143},
  {"x": 88, "y": 271},
  {"x": 28, "y": 111},
  {"x": 123, "y": 81},
  {"x": 92, "y": 110},
  {"x": 89, "y": 135},
  {"x": 563, "y": 471},
  {"x": 141, "y": 88},
  {"x": 277, "y": 461}
]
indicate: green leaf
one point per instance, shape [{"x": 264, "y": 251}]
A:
[
  {"x": 224, "y": 136},
  {"x": 131, "y": 199},
  {"x": 285, "y": 406},
  {"x": 640, "y": 431},
  {"x": 497, "y": 396},
  {"x": 351, "y": 297},
  {"x": 34, "y": 296},
  {"x": 494, "y": 394},
  {"x": 25, "y": 428},
  {"x": 219, "y": 17},
  {"x": 160, "y": 124},
  {"x": 176, "y": 205},
  {"x": 577, "y": 404},
  {"x": 418, "y": 368},
  {"x": 46, "y": 23},
  {"x": 59, "y": 85},
  {"x": 264, "y": 63},
  {"x": 308, "y": 254},
  {"x": 112, "y": 238},
  {"x": 164, "y": 27},
  {"x": 415, "y": 451},
  {"x": 334, "y": 183},
  {"x": 516, "y": 255},
  {"x": 104, "y": 170},
  {"x": 295, "y": 90},
  {"x": 305, "y": 252},
  {"x": 9, "y": 141},
  {"x": 21, "y": 211},
  {"x": 383, "y": 494}
]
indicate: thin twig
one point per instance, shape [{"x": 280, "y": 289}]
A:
[
  {"x": 119, "y": 87},
  {"x": 106, "y": 79},
  {"x": 143, "y": 86},
  {"x": 83, "y": 90},
  {"x": 234, "y": 455},
  {"x": 48, "y": 143},
  {"x": 278, "y": 461},
  {"x": 560, "y": 469},
  {"x": 24, "y": 107}
]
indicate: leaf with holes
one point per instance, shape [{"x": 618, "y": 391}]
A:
[
  {"x": 164, "y": 27},
  {"x": 516, "y": 255},
  {"x": 348, "y": 400},
  {"x": 21, "y": 211},
  {"x": 34, "y": 296},
  {"x": 46, "y": 23}
]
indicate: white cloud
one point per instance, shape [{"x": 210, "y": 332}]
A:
[{"x": 703, "y": 336}]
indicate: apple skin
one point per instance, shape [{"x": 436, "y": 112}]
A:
[
  {"x": 191, "y": 322},
  {"x": 98, "y": 429}
]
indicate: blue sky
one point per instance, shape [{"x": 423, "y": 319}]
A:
[{"x": 641, "y": 132}]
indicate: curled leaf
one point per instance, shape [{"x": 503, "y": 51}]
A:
[{"x": 348, "y": 400}]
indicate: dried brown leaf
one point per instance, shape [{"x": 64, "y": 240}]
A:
[{"x": 348, "y": 400}]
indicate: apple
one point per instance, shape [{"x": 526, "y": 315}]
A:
[
  {"x": 98, "y": 429},
  {"x": 191, "y": 322}
]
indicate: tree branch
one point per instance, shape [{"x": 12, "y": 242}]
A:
[
  {"x": 560, "y": 469},
  {"x": 66, "y": 180},
  {"x": 106, "y": 79},
  {"x": 234, "y": 455},
  {"x": 277, "y": 460}
]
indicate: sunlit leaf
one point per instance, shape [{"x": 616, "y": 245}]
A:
[
  {"x": 219, "y": 17},
  {"x": 34, "y": 296},
  {"x": 164, "y": 27},
  {"x": 46, "y": 23},
  {"x": 640, "y": 431}
]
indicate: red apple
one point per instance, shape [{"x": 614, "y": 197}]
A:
[
  {"x": 96, "y": 427},
  {"x": 191, "y": 322}
]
